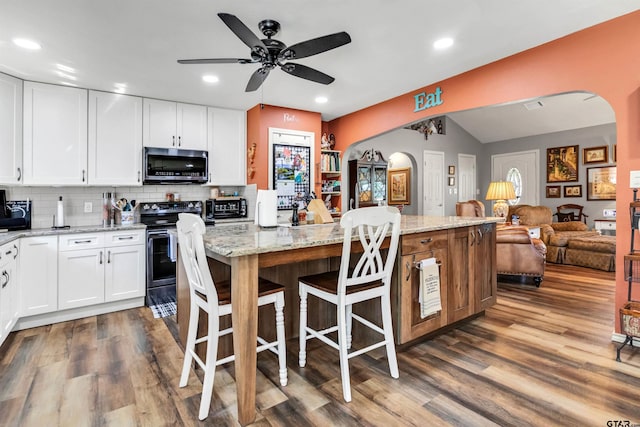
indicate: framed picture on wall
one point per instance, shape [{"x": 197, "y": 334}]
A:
[
  {"x": 573, "y": 191},
  {"x": 601, "y": 183},
  {"x": 595, "y": 155},
  {"x": 562, "y": 164},
  {"x": 399, "y": 186},
  {"x": 553, "y": 191}
]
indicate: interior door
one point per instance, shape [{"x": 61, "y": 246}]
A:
[
  {"x": 433, "y": 203},
  {"x": 523, "y": 166},
  {"x": 466, "y": 177}
]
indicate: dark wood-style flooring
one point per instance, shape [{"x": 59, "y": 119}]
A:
[{"x": 540, "y": 356}]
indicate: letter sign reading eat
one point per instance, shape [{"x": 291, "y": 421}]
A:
[{"x": 427, "y": 100}]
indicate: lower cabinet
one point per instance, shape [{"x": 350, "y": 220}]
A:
[
  {"x": 100, "y": 267},
  {"x": 8, "y": 288},
  {"x": 466, "y": 260},
  {"x": 38, "y": 275}
]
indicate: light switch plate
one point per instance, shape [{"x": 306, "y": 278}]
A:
[{"x": 88, "y": 207}]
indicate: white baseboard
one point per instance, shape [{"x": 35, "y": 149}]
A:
[
  {"x": 76, "y": 313},
  {"x": 615, "y": 337}
]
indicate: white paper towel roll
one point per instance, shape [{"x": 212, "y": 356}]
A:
[{"x": 267, "y": 208}]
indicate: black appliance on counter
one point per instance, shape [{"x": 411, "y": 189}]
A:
[
  {"x": 175, "y": 166},
  {"x": 160, "y": 219},
  {"x": 225, "y": 207},
  {"x": 14, "y": 215}
]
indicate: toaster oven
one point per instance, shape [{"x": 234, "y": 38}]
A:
[{"x": 225, "y": 207}]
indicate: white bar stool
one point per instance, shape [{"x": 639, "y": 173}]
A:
[
  {"x": 369, "y": 278},
  {"x": 215, "y": 300}
]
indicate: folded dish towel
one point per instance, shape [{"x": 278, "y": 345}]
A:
[{"x": 429, "y": 297}]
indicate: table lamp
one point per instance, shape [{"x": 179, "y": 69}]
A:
[{"x": 500, "y": 191}]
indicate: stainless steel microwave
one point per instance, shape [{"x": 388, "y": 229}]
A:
[{"x": 172, "y": 165}]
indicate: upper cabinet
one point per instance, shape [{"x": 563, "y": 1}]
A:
[
  {"x": 115, "y": 139},
  {"x": 227, "y": 146},
  {"x": 55, "y": 135},
  {"x": 10, "y": 130},
  {"x": 174, "y": 125}
]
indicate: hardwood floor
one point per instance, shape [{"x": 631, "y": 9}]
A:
[{"x": 541, "y": 356}]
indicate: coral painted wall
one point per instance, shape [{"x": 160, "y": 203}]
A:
[
  {"x": 603, "y": 59},
  {"x": 260, "y": 118}
]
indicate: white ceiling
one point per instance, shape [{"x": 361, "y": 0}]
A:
[{"x": 137, "y": 42}]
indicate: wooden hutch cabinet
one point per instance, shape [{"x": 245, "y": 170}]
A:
[{"x": 367, "y": 180}]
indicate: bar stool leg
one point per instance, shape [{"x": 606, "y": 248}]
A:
[
  {"x": 344, "y": 354},
  {"x": 282, "y": 349},
  {"x": 302, "y": 356}
]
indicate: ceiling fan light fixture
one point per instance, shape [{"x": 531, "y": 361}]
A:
[{"x": 443, "y": 43}]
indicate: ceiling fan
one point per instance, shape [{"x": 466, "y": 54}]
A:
[{"x": 271, "y": 52}]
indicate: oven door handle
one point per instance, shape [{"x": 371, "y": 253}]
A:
[{"x": 173, "y": 247}]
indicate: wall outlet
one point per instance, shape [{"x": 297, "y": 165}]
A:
[
  {"x": 609, "y": 213},
  {"x": 88, "y": 207}
]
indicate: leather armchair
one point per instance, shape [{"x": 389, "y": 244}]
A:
[
  {"x": 520, "y": 255},
  {"x": 470, "y": 208}
]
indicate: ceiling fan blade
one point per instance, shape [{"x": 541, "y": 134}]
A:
[
  {"x": 243, "y": 33},
  {"x": 257, "y": 78},
  {"x": 315, "y": 46},
  {"x": 307, "y": 73},
  {"x": 216, "y": 61}
]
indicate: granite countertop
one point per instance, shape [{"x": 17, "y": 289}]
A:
[
  {"x": 247, "y": 238},
  {"x": 13, "y": 235}
]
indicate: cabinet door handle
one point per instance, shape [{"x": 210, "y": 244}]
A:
[
  {"x": 406, "y": 279},
  {"x": 179, "y": 141},
  {"x": 19, "y": 174},
  {"x": 83, "y": 172},
  {"x": 15, "y": 254},
  {"x": 125, "y": 238},
  {"x": 100, "y": 257},
  {"x": 473, "y": 238},
  {"x": 425, "y": 241},
  {"x": 108, "y": 257},
  {"x": 479, "y": 236},
  {"x": 138, "y": 176},
  {"x": 5, "y": 275},
  {"x": 77, "y": 242},
  {"x": 8, "y": 252},
  {"x": 173, "y": 140}
]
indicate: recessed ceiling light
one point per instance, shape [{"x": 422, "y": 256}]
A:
[
  {"x": 27, "y": 44},
  {"x": 67, "y": 76},
  {"x": 322, "y": 99},
  {"x": 210, "y": 78},
  {"x": 443, "y": 43},
  {"x": 65, "y": 68}
]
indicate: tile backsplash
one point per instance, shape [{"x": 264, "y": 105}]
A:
[{"x": 44, "y": 200}]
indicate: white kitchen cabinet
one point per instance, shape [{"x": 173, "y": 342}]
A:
[
  {"x": 10, "y": 130},
  {"x": 101, "y": 267},
  {"x": 81, "y": 260},
  {"x": 227, "y": 146},
  {"x": 115, "y": 139},
  {"x": 174, "y": 125},
  {"x": 55, "y": 135},
  {"x": 125, "y": 272},
  {"x": 8, "y": 288},
  {"x": 38, "y": 275}
]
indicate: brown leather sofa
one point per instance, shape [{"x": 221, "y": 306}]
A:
[
  {"x": 519, "y": 254},
  {"x": 558, "y": 235}
]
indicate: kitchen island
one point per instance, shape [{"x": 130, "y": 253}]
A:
[{"x": 463, "y": 246}]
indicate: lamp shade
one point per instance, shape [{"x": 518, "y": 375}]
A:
[{"x": 501, "y": 190}]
